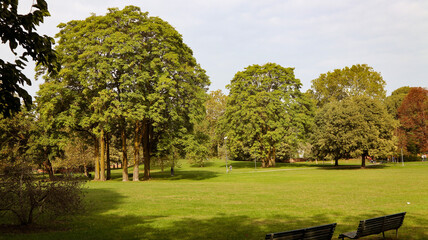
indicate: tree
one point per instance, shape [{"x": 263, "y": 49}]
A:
[
  {"x": 413, "y": 116},
  {"x": 129, "y": 71},
  {"x": 355, "y": 126},
  {"x": 357, "y": 80},
  {"x": 23, "y": 139},
  {"x": 77, "y": 156},
  {"x": 215, "y": 109},
  {"x": 393, "y": 102},
  {"x": 19, "y": 30},
  {"x": 265, "y": 109}
]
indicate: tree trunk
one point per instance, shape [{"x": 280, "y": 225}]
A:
[
  {"x": 85, "y": 170},
  {"x": 48, "y": 166},
  {"x": 137, "y": 138},
  {"x": 271, "y": 157},
  {"x": 273, "y": 163},
  {"x": 97, "y": 159},
  {"x": 108, "y": 157},
  {"x": 218, "y": 150},
  {"x": 146, "y": 148},
  {"x": 336, "y": 162},
  {"x": 125, "y": 158},
  {"x": 102, "y": 158},
  {"x": 363, "y": 158}
]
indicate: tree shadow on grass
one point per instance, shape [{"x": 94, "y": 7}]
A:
[
  {"x": 102, "y": 221},
  {"x": 351, "y": 167},
  {"x": 195, "y": 175},
  {"x": 206, "y": 164},
  {"x": 327, "y": 166}
]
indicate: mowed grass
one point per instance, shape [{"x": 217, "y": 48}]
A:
[{"x": 207, "y": 203}]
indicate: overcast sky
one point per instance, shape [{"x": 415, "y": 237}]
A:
[{"x": 313, "y": 37}]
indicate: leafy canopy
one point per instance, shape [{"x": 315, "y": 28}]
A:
[
  {"x": 19, "y": 30},
  {"x": 353, "y": 127},
  {"x": 357, "y": 80},
  {"x": 413, "y": 116},
  {"x": 265, "y": 109}
]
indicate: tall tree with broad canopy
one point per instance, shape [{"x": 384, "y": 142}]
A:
[
  {"x": 127, "y": 69},
  {"x": 355, "y": 126},
  {"x": 357, "y": 80},
  {"x": 265, "y": 109},
  {"x": 20, "y": 30},
  {"x": 413, "y": 116}
]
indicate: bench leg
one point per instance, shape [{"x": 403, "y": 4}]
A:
[
  {"x": 383, "y": 233},
  {"x": 396, "y": 233}
]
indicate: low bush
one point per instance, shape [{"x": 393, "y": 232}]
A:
[{"x": 28, "y": 197}]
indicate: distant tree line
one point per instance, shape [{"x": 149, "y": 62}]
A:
[{"x": 128, "y": 88}]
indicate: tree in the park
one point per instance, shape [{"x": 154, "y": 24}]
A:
[
  {"x": 23, "y": 140},
  {"x": 215, "y": 109},
  {"x": 265, "y": 109},
  {"x": 126, "y": 71},
  {"x": 339, "y": 84},
  {"x": 393, "y": 102},
  {"x": 413, "y": 116},
  {"x": 20, "y": 30},
  {"x": 355, "y": 126}
]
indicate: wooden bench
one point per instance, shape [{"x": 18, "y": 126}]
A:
[
  {"x": 324, "y": 232},
  {"x": 376, "y": 225}
]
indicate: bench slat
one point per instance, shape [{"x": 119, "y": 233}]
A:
[
  {"x": 376, "y": 225},
  {"x": 324, "y": 232}
]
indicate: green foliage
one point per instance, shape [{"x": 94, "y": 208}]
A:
[
  {"x": 15, "y": 138},
  {"x": 393, "y": 102},
  {"x": 196, "y": 148},
  {"x": 265, "y": 109},
  {"x": 353, "y": 127},
  {"x": 126, "y": 72},
  {"x": 19, "y": 30},
  {"x": 357, "y": 80},
  {"x": 215, "y": 108}
]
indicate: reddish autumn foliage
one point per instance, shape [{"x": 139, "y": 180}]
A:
[{"x": 413, "y": 116}]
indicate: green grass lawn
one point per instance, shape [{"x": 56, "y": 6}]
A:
[{"x": 207, "y": 203}]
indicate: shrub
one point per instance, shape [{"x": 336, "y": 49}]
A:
[{"x": 28, "y": 197}]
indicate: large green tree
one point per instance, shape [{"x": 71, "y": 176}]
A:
[
  {"x": 20, "y": 30},
  {"x": 339, "y": 84},
  {"x": 265, "y": 110},
  {"x": 355, "y": 126},
  {"x": 129, "y": 70},
  {"x": 413, "y": 116}
]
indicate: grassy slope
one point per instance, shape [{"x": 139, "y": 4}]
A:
[{"x": 206, "y": 203}]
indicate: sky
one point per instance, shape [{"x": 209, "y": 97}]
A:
[{"x": 313, "y": 37}]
